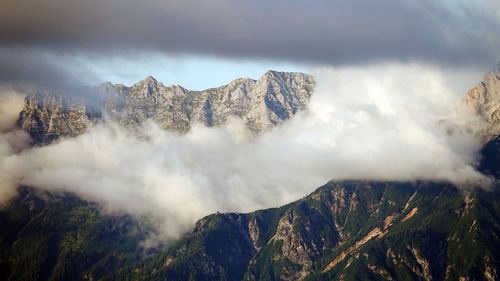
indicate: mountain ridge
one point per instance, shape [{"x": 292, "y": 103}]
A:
[
  {"x": 345, "y": 230},
  {"x": 348, "y": 230},
  {"x": 261, "y": 104},
  {"x": 484, "y": 100}
]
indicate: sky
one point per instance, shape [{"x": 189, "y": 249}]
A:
[
  {"x": 389, "y": 78},
  {"x": 193, "y": 72},
  {"x": 201, "y": 43}
]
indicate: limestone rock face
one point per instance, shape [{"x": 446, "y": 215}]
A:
[
  {"x": 484, "y": 99},
  {"x": 46, "y": 117},
  {"x": 261, "y": 104}
]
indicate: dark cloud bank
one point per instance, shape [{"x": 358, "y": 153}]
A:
[
  {"x": 316, "y": 31},
  {"x": 36, "y": 37}
]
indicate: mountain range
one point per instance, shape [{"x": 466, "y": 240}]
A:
[
  {"x": 261, "y": 104},
  {"x": 344, "y": 230}
]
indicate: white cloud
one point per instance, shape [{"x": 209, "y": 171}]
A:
[
  {"x": 11, "y": 103},
  {"x": 376, "y": 122}
]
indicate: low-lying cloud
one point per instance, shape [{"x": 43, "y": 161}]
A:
[
  {"x": 11, "y": 103},
  {"x": 386, "y": 122}
]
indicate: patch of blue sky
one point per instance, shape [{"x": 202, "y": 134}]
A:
[{"x": 194, "y": 72}]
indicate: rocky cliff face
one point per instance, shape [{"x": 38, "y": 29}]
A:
[
  {"x": 261, "y": 104},
  {"x": 484, "y": 99},
  {"x": 46, "y": 117}
]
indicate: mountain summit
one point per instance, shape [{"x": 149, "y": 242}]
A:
[{"x": 484, "y": 99}]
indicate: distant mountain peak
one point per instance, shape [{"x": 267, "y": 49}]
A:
[
  {"x": 273, "y": 73},
  {"x": 261, "y": 104},
  {"x": 281, "y": 74},
  {"x": 484, "y": 100},
  {"x": 149, "y": 81}
]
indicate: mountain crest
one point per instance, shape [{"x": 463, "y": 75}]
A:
[
  {"x": 484, "y": 100},
  {"x": 261, "y": 104}
]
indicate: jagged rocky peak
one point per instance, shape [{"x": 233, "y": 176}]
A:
[
  {"x": 290, "y": 77},
  {"x": 241, "y": 82},
  {"x": 150, "y": 80},
  {"x": 261, "y": 104},
  {"x": 484, "y": 99},
  {"x": 47, "y": 116},
  {"x": 146, "y": 88}
]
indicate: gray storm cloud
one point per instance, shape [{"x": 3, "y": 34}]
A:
[
  {"x": 374, "y": 122},
  {"x": 51, "y": 44},
  {"x": 318, "y": 32},
  {"x": 35, "y": 67}
]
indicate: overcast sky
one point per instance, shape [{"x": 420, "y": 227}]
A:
[{"x": 125, "y": 40}]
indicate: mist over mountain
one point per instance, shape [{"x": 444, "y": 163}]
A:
[
  {"x": 357, "y": 125},
  {"x": 131, "y": 150},
  {"x": 115, "y": 194}
]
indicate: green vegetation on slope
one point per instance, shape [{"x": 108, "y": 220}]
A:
[
  {"x": 46, "y": 236},
  {"x": 345, "y": 230}
]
